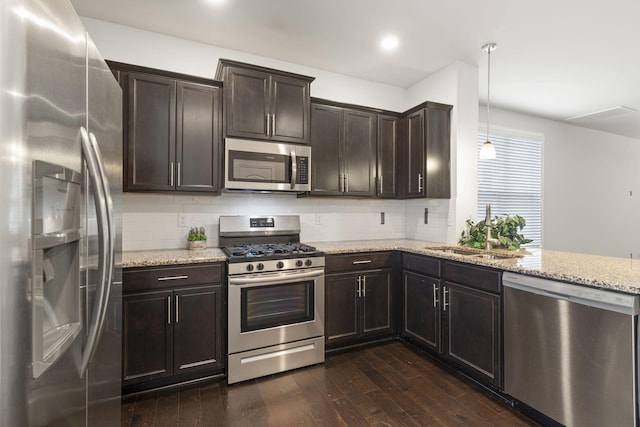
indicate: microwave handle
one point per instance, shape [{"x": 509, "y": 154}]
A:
[{"x": 294, "y": 170}]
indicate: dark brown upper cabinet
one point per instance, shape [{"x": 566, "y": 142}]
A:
[
  {"x": 267, "y": 104},
  {"x": 171, "y": 129},
  {"x": 424, "y": 152},
  {"x": 343, "y": 143},
  {"x": 387, "y": 156}
]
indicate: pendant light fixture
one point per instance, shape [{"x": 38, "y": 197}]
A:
[{"x": 488, "y": 150}]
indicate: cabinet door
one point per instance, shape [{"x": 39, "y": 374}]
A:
[
  {"x": 341, "y": 308},
  {"x": 387, "y": 149},
  {"x": 147, "y": 336},
  {"x": 473, "y": 338},
  {"x": 376, "y": 302},
  {"x": 290, "y": 110},
  {"x": 415, "y": 160},
  {"x": 359, "y": 155},
  {"x": 198, "y": 137},
  {"x": 197, "y": 329},
  {"x": 246, "y": 103},
  {"x": 438, "y": 153},
  {"x": 326, "y": 140},
  {"x": 150, "y": 143},
  {"x": 421, "y": 309}
]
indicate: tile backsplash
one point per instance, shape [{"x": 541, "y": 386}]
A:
[{"x": 151, "y": 221}]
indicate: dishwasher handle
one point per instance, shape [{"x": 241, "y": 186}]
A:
[{"x": 575, "y": 293}]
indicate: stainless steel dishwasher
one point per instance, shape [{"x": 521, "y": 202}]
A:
[{"x": 570, "y": 351}]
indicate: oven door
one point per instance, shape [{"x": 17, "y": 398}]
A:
[{"x": 275, "y": 308}]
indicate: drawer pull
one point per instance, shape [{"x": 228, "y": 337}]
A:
[
  {"x": 362, "y": 262},
  {"x": 165, "y": 278}
]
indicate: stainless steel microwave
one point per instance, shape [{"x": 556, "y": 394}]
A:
[{"x": 266, "y": 166}]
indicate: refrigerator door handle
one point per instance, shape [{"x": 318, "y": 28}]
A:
[
  {"x": 104, "y": 270},
  {"x": 112, "y": 230}
]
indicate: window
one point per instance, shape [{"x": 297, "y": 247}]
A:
[{"x": 512, "y": 182}]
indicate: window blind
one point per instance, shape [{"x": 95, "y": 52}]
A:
[{"x": 512, "y": 182}]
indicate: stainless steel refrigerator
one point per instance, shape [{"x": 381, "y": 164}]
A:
[{"x": 60, "y": 221}]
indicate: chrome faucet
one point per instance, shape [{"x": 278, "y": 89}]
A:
[{"x": 490, "y": 241}]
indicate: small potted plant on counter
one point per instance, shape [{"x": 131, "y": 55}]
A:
[
  {"x": 197, "y": 238},
  {"x": 505, "y": 229}
]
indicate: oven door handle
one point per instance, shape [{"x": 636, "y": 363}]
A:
[{"x": 279, "y": 278}]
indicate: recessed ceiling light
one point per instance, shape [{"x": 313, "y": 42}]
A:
[
  {"x": 389, "y": 43},
  {"x": 216, "y": 2}
]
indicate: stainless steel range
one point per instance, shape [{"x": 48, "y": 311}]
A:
[{"x": 276, "y": 296}]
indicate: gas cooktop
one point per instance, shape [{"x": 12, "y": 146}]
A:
[{"x": 268, "y": 251}]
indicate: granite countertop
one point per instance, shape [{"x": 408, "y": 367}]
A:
[
  {"x": 619, "y": 274},
  {"x": 171, "y": 257},
  {"x": 598, "y": 271}
]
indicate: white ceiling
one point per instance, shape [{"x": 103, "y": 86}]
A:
[{"x": 555, "y": 59}]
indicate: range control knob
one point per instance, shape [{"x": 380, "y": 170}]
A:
[
  {"x": 260, "y": 266},
  {"x": 280, "y": 264},
  {"x": 299, "y": 263},
  {"x": 308, "y": 263},
  {"x": 249, "y": 267}
]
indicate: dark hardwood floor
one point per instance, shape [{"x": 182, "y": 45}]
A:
[{"x": 386, "y": 385}]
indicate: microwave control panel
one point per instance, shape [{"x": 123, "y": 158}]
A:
[{"x": 302, "y": 177}]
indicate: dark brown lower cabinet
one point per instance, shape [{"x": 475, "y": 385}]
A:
[
  {"x": 171, "y": 334},
  {"x": 473, "y": 329},
  {"x": 421, "y": 311},
  {"x": 461, "y": 320},
  {"x": 147, "y": 336},
  {"x": 358, "y": 307}
]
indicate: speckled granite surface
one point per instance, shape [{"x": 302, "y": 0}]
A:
[
  {"x": 591, "y": 270},
  {"x": 171, "y": 257},
  {"x": 599, "y": 271}
]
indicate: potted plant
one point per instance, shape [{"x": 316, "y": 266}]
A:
[
  {"x": 197, "y": 238},
  {"x": 506, "y": 229}
]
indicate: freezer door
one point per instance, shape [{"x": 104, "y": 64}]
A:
[{"x": 104, "y": 122}]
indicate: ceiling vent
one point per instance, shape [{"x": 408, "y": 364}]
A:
[{"x": 605, "y": 114}]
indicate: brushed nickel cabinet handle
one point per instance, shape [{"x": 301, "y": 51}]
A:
[
  {"x": 273, "y": 124},
  {"x": 444, "y": 299},
  {"x": 364, "y": 286},
  {"x": 435, "y": 296},
  {"x": 179, "y": 163},
  {"x": 368, "y": 261},
  {"x": 381, "y": 184},
  {"x": 346, "y": 178},
  {"x": 268, "y": 125},
  {"x": 165, "y": 278},
  {"x": 171, "y": 173},
  {"x": 177, "y": 308},
  {"x": 359, "y": 281},
  {"x": 168, "y": 310},
  {"x": 420, "y": 183}
]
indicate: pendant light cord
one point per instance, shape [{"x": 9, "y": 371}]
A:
[{"x": 488, "y": 88}]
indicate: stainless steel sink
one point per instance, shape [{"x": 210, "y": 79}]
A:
[
  {"x": 451, "y": 250},
  {"x": 473, "y": 253},
  {"x": 495, "y": 256}
]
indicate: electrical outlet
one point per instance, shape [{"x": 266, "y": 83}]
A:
[
  {"x": 319, "y": 219},
  {"x": 426, "y": 215},
  {"x": 182, "y": 220},
  {"x": 381, "y": 217}
]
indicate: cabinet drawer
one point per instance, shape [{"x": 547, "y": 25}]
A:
[
  {"x": 473, "y": 276},
  {"x": 358, "y": 262},
  {"x": 421, "y": 264},
  {"x": 171, "y": 277}
]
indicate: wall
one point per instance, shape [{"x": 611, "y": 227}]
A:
[
  {"x": 151, "y": 221},
  {"x": 138, "y": 47},
  {"x": 587, "y": 179}
]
